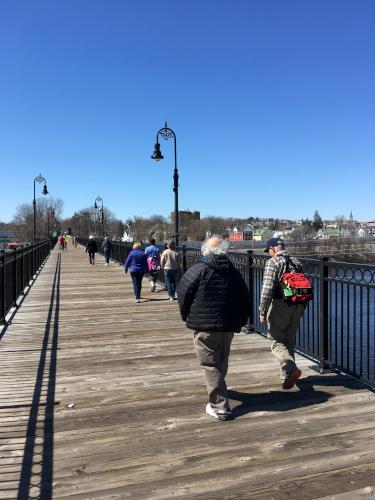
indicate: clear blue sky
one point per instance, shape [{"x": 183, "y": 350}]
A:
[{"x": 273, "y": 104}]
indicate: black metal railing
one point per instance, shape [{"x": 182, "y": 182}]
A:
[
  {"x": 338, "y": 327},
  {"x": 120, "y": 250},
  {"x": 17, "y": 268}
]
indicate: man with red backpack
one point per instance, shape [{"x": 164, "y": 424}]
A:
[{"x": 285, "y": 293}]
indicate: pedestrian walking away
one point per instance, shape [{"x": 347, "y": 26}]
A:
[
  {"x": 91, "y": 249},
  {"x": 62, "y": 242},
  {"x": 170, "y": 262},
  {"x": 153, "y": 259},
  {"x": 137, "y": 263},
  {"x": 282, "y": 317},
  {"x": 107, "y": 249},
  {"x": 214, "y": 301}
]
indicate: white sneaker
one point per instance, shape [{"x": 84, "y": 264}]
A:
[
  {"x": 137, "y": 301},
  {"x": 218, "y": 414},
  {"x": 171, "y": 298},
  {"x": 106, "y": 264}
]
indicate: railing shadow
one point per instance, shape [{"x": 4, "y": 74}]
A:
[
  {"x": 37, "y": 465},
  {"x": 337, "y": 380},
  {"x": 284, "y": 401}
]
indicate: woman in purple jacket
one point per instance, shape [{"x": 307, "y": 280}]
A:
[{"x": 137, "y": 262}]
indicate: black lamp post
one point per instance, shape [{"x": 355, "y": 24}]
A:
[
  {"x": 53, "y": 220},
  {"x": 98, "y": 199},
  {"x": 38, "y": 179},
  {"x": 50, "y": 211},
  {"x": 167, "y": 133}
]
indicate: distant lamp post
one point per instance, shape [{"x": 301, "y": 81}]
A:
[
  {"x": 166, "y": 134},
  {"x": 50, "y": 212},
  {"x": 38, "y": 179},
  {"x": 98, "y": 199},
  {"x": 52, "y": 220}
]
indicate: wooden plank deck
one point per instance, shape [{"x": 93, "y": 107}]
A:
[{"x": 103, "y": 398}]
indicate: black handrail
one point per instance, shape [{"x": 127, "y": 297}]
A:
[
  {"x": 17, "y": 268},
  {"x": 338, "y": 327}
]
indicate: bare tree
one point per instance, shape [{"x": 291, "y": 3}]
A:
[
  {"x": 24, "y": 217},
  {"x": 142, "y": 229}
]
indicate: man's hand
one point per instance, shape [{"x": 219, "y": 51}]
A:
[{"x": 262, "y": 319}]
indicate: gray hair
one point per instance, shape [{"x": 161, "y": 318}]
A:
[
  {"x": 279, "y": 248},
  {"x": 215, "y": 245}
]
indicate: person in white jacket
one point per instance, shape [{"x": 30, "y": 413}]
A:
[{"x": 170, "y": 262}]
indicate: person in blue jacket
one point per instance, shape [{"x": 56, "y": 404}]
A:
[
  {"x": 153, "y": 260},
  {"x": 137, "y": 263}
]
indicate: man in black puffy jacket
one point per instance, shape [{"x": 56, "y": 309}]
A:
[{"x": 214, "y": 301}]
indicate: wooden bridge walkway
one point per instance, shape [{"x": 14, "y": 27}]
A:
[{"x": 103, "y": 398}]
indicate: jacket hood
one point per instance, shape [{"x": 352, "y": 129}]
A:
[{"x": 218, "y": 262}]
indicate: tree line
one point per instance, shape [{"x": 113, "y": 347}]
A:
[{"x": 91, "y": 220}]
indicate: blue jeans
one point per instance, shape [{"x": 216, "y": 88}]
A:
[
  {"x": 137, "y": 283},
  {"x": 170, "y": 281},
  {"x": 107, "y": 253}
]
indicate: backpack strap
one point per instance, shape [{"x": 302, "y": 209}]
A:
[{"x": 289, "y": 264}]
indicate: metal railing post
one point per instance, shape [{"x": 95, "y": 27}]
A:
[
  {"x": 33, "y": 258},
  {"x": 250, "y": 279},
  {"x": 323, "y": 313},
  {"x": 183, "y": 259},
  {"x": 4, "y": 298},
  {"x": 22, "y": 268},
  {"x": 15, "y": 276},
  {"x": 127, "y": 252}
]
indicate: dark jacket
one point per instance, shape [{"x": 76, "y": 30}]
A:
[
  {"x": 213, "y": 296},
  {"x": 92, "y": 247},
  {"x": 137, "y": 261},
  {"x": 107, "y": 246}
]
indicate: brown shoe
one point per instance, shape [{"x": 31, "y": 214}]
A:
[{"x": 292, "y": 379}]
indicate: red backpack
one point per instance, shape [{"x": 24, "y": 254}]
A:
[{"x": 297, "y": 287}]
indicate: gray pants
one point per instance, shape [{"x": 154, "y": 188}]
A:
[
  {"x": 212, "y": 350},
  {"x": 282, "y": 321}
]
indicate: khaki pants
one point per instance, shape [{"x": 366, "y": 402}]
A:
[
  {"x": 282, "y": 321},
  {"x": 212, "y": 350}
]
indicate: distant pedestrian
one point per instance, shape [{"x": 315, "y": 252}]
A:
[
  {"x": 62, "y": 242},
  {"x": 137, "y": 263},
  {"x": 153, "y": 260},
  {"x": 170, "y": 262},
  {"x": 214, "y": 301},
  {"x": 107, "y": 249},
  {"x": 65, "y": 241},
  {"x": 91, "y": 249},
  {"x": 282, "y": 318}
]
